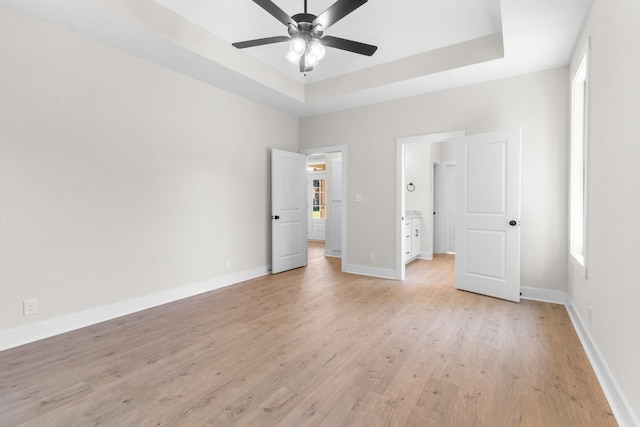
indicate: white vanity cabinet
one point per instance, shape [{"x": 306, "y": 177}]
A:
[
  {"x": 412, "y": 237},
  {"x": 407, "y": 240}
]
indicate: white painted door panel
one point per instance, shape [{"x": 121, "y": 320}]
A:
[
  {"x": 288, "y": 211},
  {"x": 487, "y": 201}
]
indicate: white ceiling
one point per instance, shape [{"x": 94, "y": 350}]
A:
[
  {"x": 423, "y": 45},
  {"x": 398, "y": 28}
]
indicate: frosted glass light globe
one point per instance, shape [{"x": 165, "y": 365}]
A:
[
  {"x": 298, "y": 46},
  {"x": 317, "y": 49},
  {"x": 292, "y": 56},
  {"x": 311, "y": 60}
]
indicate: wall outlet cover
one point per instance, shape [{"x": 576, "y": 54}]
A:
[{"x": 30, "y": 306}]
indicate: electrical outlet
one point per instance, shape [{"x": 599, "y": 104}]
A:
[
  {"x": 30, "y": 306},
  {"x": 372, "y": 257},
  {"x": 227, "y": 264},
  {"x": 590, "y": 315}
]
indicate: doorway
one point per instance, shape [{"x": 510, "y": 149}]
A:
[
  {"x": 328, "y": 200},
  {"x": 317, "y": 196},
  {"x": 423, "y": 204},
  {"x": 487, "y": 195},
  {"x": 444, "y": 207}
]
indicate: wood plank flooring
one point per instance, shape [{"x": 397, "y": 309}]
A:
[{"x": 314, "y": 347}]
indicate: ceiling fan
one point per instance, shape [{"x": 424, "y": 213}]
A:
[{"x": 306, "y": 33}]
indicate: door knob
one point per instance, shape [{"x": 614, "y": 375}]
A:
[
  {"x": 513, "y": 223},
  {"x": 275, "y": 217}
]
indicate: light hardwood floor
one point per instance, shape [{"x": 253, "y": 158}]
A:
[{"x": 314, "y": 346}]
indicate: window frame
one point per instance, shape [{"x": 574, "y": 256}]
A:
[{"x": 578, "y": 164}]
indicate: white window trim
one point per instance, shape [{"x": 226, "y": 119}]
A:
[{"x": 581, "y": 74}]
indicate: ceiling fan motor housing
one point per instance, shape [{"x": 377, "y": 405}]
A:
[
  {"x": 304, "y": 17},
  {"x": 305, "y": 27}
]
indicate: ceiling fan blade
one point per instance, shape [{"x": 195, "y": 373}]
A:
[
  {"x": 336, "y": 12},
  {"x": 276, "y": 12},
  {"x": 350, "y": 45},
  {"x": 260, "y": 42}
]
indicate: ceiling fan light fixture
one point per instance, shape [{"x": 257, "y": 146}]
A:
[
  {"x": 317, "y": 49},
  {"x": 292, "y": 56},
  {"x": 298, "y": 46},
  {"x": 311, "y": 60},
  {"x": 307, "y": 41},
  {"x": 296, "y": 49}
]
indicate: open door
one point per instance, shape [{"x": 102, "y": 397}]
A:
[
  {"x": 488, "y": 214},
  {"x": 288, "y": 210}
]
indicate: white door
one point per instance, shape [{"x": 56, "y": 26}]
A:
[
  {"x": 488, "y": 214},
  {"x": 288, "y": 210}
]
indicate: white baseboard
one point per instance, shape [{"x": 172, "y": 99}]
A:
[
  {"x": 384, "y": 273},
  {"x": 544, "y": 295},
  {"x": 333, "y": 253},
  {"x": 23, "y": 335},
  {"x": 426, "y": 255},
  {"x": 619, "y": 405},
  {"x": 617, "y": 401},
  {"x": 48, "y": 328}
]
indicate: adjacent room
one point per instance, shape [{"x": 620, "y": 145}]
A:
[{"x": 152, "y": 271}]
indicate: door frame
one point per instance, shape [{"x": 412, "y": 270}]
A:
[
  {"x": 343, "y": 150},
  {"x": 400, "y": 194}
]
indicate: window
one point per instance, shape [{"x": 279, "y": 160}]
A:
[
  {"x": 319, "y": 199},
  {"x": 578, "y": 173}
]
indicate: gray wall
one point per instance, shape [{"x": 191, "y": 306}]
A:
[
  {"x": 612, "y": 289},
  {"x": 537, "y": 102},
  {"x": 121, "y": 179}
]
